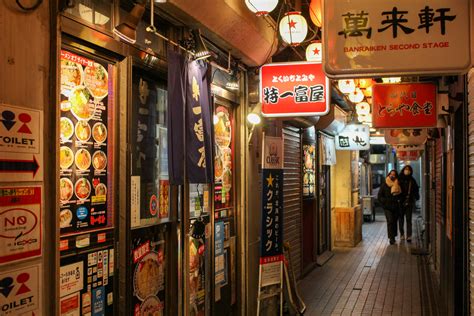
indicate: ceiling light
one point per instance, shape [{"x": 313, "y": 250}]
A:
[
  {"x": 254, "y": 117},
  {"x": 127, "y": 30},
  {"x": 201, "y": 51}
]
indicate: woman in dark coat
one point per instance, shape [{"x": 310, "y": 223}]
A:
[
  {"x": 410, "y": 194},
  {"x": 389, "y": 197}
]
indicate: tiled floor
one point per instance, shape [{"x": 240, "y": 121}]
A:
[{"x": 373, "y": 278}]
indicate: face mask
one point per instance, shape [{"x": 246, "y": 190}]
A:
[
  {"x": 406, "y": 172},
  {"x": 392, "y": 178}
]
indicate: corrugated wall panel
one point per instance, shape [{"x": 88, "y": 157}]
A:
[
  {"x": 292, "y": 187},
  {"x": 471, "y": 186}
]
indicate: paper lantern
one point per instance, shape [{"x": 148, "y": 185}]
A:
[
  {"x": 261, "y": 7},
  {"x": 315, "y": 12},
  {"x": 363, "y": 108},
  {"x": 346, "y": 86},
  {"x": 368, "y": 92},
  {"x": 314, "y": 52},
  {"x": 364, "y": 83},
  {"x": 356, "y": 96},
  {"x": 293, "y": 28}
]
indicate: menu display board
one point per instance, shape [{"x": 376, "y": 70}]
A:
[
  {"x": 197, "y": 277},
  {"x": 148, "y": 271},
  {"x": 223, "y": 128},
  {"x": 309, "y": 172},
  {"x": 86, "y": 102},
  {"x": 149, "y": 151},
  {"x": 86, "y": 283}
]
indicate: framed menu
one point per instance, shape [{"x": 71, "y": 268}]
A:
[{"x": 86, "y": 102}]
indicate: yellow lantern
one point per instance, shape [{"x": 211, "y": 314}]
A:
[
  {"x": 314, "y": 52},
  {"x": 356, "y": 96},
  {"x": 346, "y": 86},
  {"x": 364, "y": 83},
  {"x": 293, "y": 28},
  {"x": 368, "y": 92},
  {"x": 261, "y": 7},
  {"x": 315, "y": 12}
]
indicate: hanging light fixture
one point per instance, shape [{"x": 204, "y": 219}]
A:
[
  {"x": 356, "y": 96},
  {"x": 315, "y": 12},
  {"x": 368, "y": 92},
  {"x": 346, "y": 85},
  {"x": 314, "y": 52},
  {"x": 201, "y": 51},
  {"x": 127, "y": 30},
  {"x": 293, "y": 28},
  {"x": 364, "y": 83},
  {"x": 261, "y": 7}
]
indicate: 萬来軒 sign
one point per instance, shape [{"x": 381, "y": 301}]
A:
[
  {"x": 405, "y": 136},
  {"x": 21, "y": 147},
  {"x": 363, "y": 38},
  {"x": 354, "y": 137},
  {"x": 21, "y": 291},
  {"x": 294, "y": 89},
  {"x": 20, "y": 223},
  {"x": 403, "y": 105}
]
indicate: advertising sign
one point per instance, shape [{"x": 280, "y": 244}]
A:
[
  {"x": 396, "y": 37},
  {"x": 223, "y": 169},
  {"x": 408, "y": 147},
  {"x": 406, "y": 136},
  {"x": 408, "y": 155},
  {"x": 21, "y": 294},
  {"x": 404, "y": 105},
  {"x": 20, "y": 223},
  {"x": 309, "y": 170},
  {"x": 294, "y": 89},
  {"x": 272, "y": 153},
  {"x": 21, "y": 147},
  {"x": 354, "y": 137},
  {"x": 86, "y": 101}
]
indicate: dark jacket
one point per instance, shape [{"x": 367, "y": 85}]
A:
[
  {"x": 414, "y": 194},
  {"x": 389, "y": 202}
]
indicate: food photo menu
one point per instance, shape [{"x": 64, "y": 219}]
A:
[{"x": 84, "y": 109}]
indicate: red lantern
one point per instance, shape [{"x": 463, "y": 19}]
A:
[{"x": 315, "y": 12}]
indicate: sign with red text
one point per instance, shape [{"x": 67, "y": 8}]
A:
[
  {"x": 294, "y": 89},
  {"x": 408, "y": 155},
  {"x": 20, "y": 223},
  {"x": 404, "y": 105},
  {"x": 21, "y": 147},
  {"x": 406, "y": 136},
  {"x": 20, "y": 293},
  {"x": 363, "y": 38}
]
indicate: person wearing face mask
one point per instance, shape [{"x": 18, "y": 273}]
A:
[
  {"x": 410, "y": 194},
  {"x": 389, "y": 197}
]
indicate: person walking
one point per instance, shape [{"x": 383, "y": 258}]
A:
[
  {"x": 410, "y": 194},
  {"x": 389, "y": 197}
]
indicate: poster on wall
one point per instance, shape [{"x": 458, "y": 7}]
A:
[
  {"x": 150, "y": 178},
  {"x": 86, "y": 283},
  {"x": 370, "y": 38},
  {"x": 21, "y": 291},
  {"x": 21, "y": 145},
  {"x": 223, "y": 169},
  {"x": 148, "y": 262},
  {"x": 404, "y": 105},
  {"x": 20, "y": 223},
  {"x": 309, "y": 170},
  {"x": 86, "y": 103}
]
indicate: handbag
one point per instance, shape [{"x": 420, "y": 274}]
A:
[{"x": 406, "y": 203}]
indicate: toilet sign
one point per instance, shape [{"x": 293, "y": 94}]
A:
[{"x": 21, "y": 145}]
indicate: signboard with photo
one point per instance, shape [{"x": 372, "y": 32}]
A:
[
  {"x": 369, "y": 38},
  {"x": 223, "y": 169},
  {"x": 86, "y": 103},
  {"x": 294, "y": 89},
  {"x": 404, "y": 105},
  {"x": 309, "y": 170}
]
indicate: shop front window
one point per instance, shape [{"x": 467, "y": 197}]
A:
[{"x": 98, "y": 13}]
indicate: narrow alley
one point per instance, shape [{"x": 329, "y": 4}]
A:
[{"x": 374, "y": 278}]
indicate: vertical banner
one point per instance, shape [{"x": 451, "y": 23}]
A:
[{"x": 199, "y": 158}]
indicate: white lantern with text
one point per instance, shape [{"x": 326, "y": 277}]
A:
[
  {"x": 261, "y": 7},
  {"x": 293, "y": 28},
  {"x": 314, "y": 52}
]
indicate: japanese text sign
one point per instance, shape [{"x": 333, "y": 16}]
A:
[
  {"x": 406, "y": 136},
  {"x": 272, "y": 153},
  {"x": 408, "y": 155},
  {"x": 404, "y": 105},
  {"x": 395, "y": 37},
  {"x": 294, "y": 89},
  {"x": 354, "y": 137}
]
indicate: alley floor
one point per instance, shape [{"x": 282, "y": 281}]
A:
[{"x": 374, "y": 278}]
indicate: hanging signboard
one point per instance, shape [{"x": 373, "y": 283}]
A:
[
  {"x": 272, "y": 153},
  {"x": 354, "y": 137},
  {"x": 328, "y": 151},
  {"x": 406, "y": 136},
  {"x": 408, "y": 147},
  {"x": 21, "y": 293},
  {"x": 294, "y": 89},
  {"x": 21, "y": 146},
  {"x": 404, "y": 105},
  {"x": 20, "y": 223},
  {"x": 364, "y": 38},
  {"x": 408, "y": 155}
]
